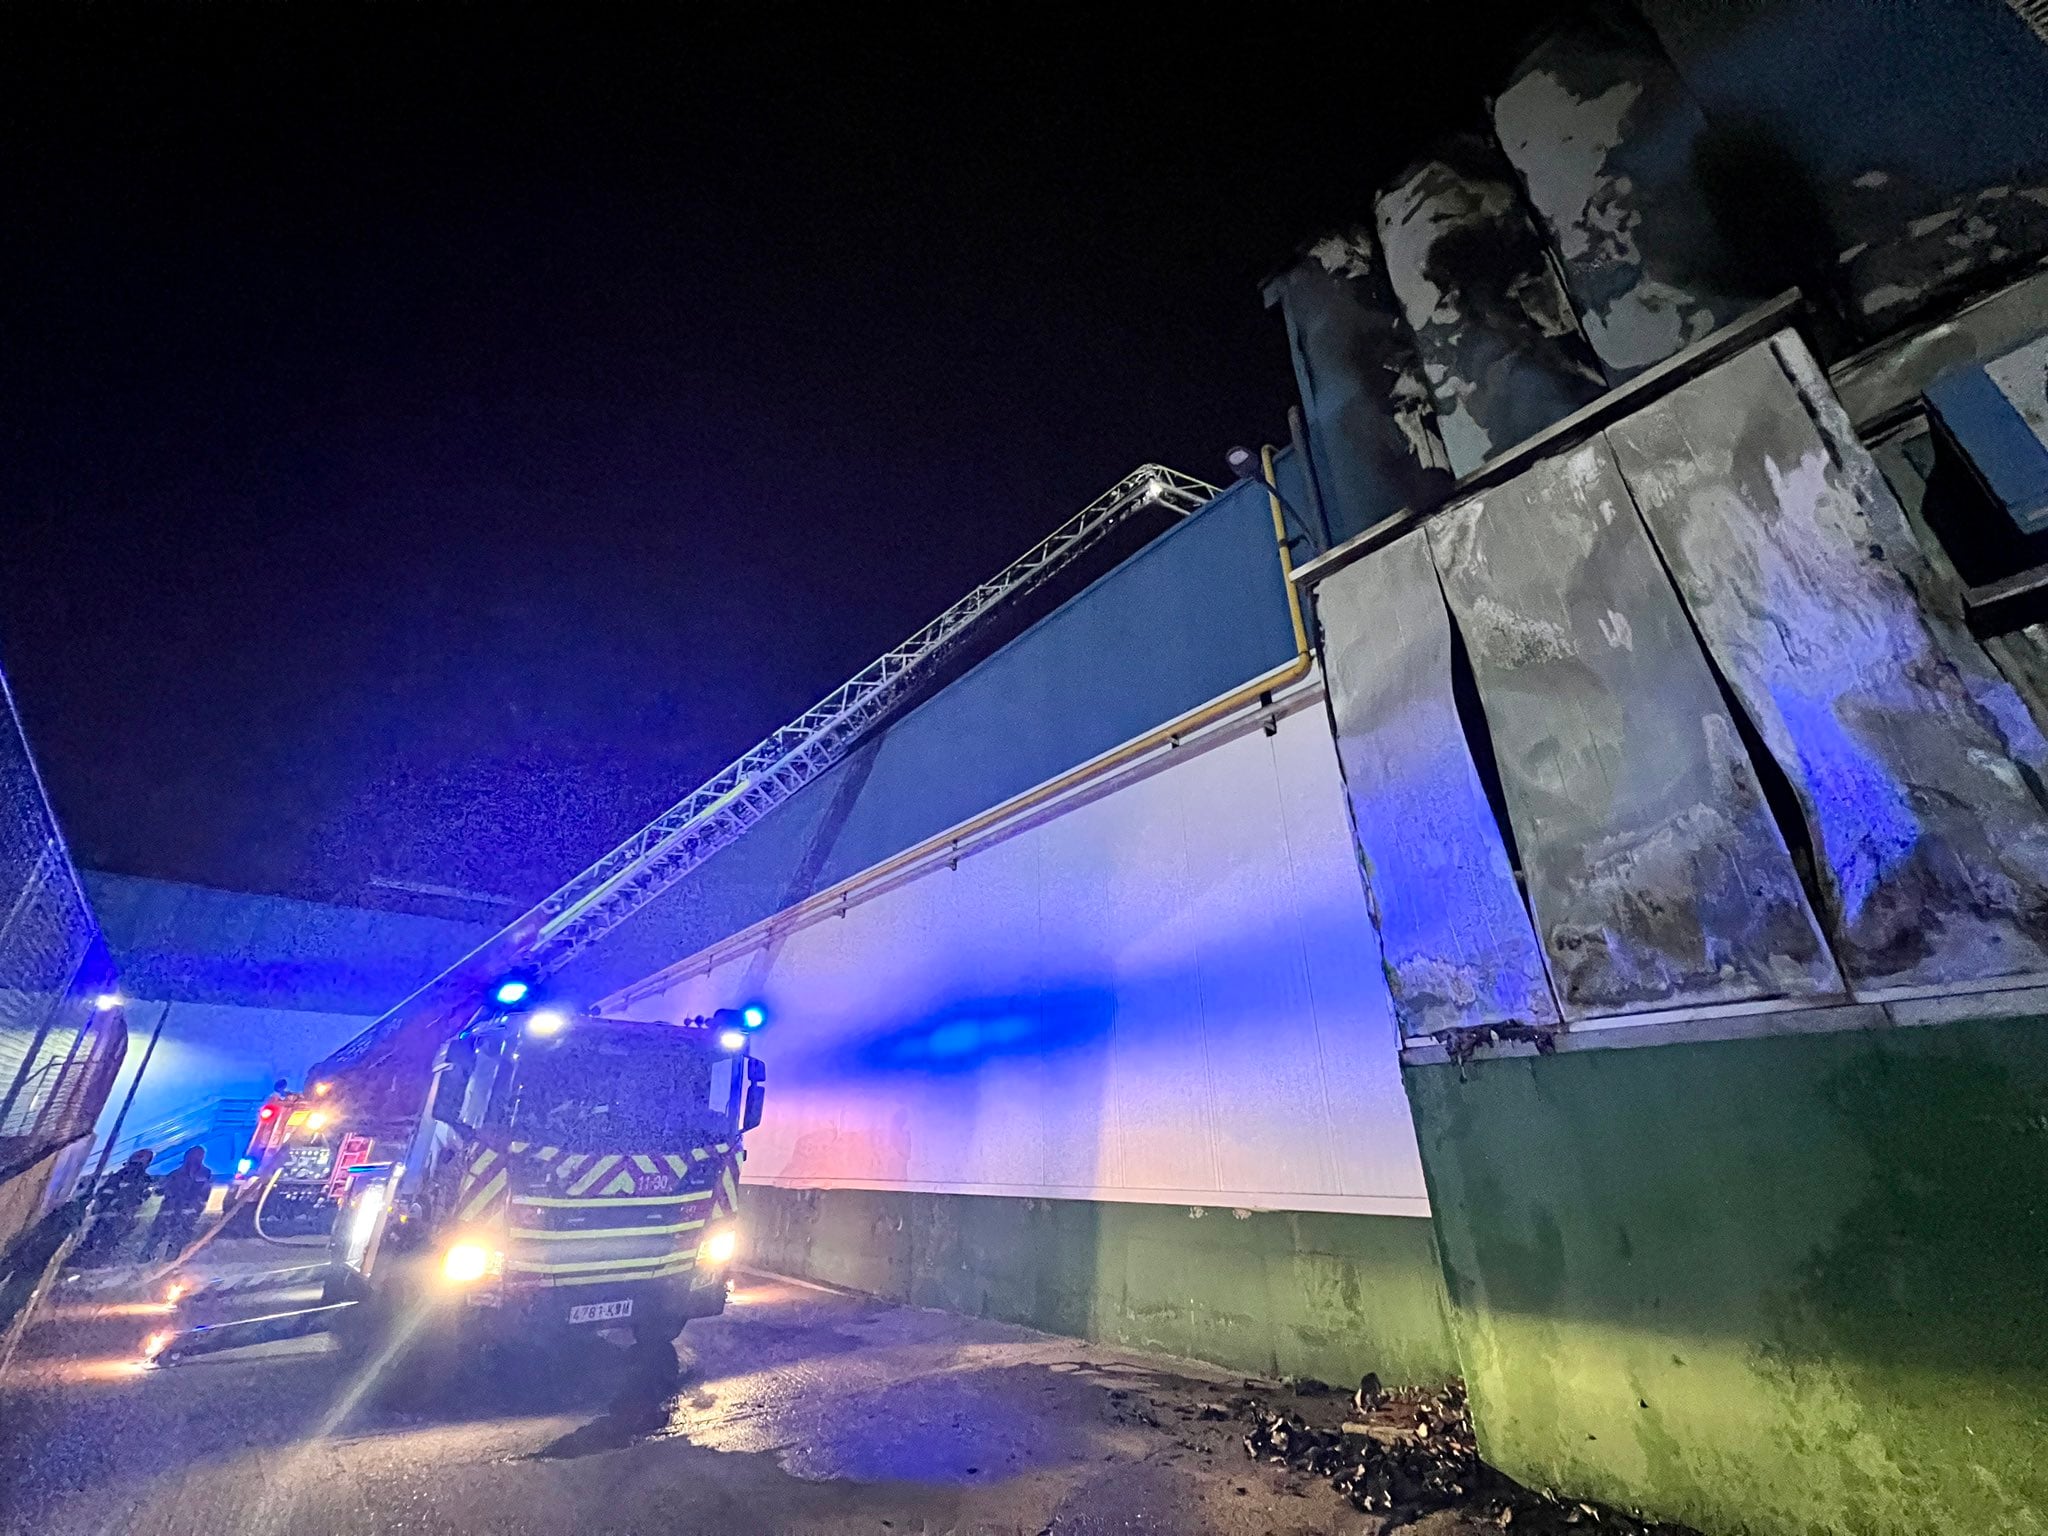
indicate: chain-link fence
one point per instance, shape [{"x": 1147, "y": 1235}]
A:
[{"x": 61, "y": 1035}]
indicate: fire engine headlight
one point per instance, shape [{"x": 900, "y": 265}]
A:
[
  {"x": 721, "y": 1245},
  {"x": 466, "y": 1263}
]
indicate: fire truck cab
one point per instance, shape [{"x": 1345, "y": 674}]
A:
[{"x": 564, "y": 1174}]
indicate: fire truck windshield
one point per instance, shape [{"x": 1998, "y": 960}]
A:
[{"x": 601, "y": 1087}]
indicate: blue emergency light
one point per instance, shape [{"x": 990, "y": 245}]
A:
[
  {"x": 753, "y": 1016},
  {"x": 511, "y": 992}
]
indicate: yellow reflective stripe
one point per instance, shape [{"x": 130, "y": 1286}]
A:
[
  {"x": 485, "y": 1196},
  {"x": 676, "y": 1165},
  {"x": 643, "y": 1162},
  {"x": 544, "y": 1235},
  {"x": 588, "y": 1201},
  {"x": 699, "y": 1153},
  {"x": 624, "y": 1184},
  {"x": 681, "y": 1267},
  {"x": 572, "y": 1162},
  {"x": 732, "y": 1190},
  {"x": 476, "y": 1168},
  {"x": 598, "y": 1170},
  {"x": 519, "y": 1146},
  {"x": 585, "y": 1266},
  {"x": 548, "y": 1154}
]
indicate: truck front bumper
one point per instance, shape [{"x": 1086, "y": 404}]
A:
[{"x": 526, "y": 1310}]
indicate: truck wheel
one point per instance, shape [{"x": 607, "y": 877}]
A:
[
  {"x": 661, "y": 1328},
  {"x": 418, "y": 1355},
  {"x": 375, "y": 1323}
]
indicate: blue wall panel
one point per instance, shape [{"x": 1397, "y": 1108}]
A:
[
  {"x": 1190, "y": 616},
  {"x": 1197, "y": 612}
]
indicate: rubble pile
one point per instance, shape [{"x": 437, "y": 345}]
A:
[{"x": 1403, "y": 1455}]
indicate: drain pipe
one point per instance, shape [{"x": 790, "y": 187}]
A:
[{"x": 128, "y": 1103}]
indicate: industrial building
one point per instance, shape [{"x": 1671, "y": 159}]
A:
[
  {"x": 1544, "y": 879},
  {"x": 1557, "y": 895}
]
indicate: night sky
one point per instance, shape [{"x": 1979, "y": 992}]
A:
[{"x": 436, "y": 438}]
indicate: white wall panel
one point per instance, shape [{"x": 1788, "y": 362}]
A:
[
  {"x": 1170, "y": 994},
  {"x": 1346, "y": 984}
]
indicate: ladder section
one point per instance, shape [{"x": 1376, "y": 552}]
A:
[
  {"x": 746, "y": 789},
  {"x": 720, "y": 811}
]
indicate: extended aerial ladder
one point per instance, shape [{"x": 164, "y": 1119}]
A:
[{"x": 541, "y": 941}]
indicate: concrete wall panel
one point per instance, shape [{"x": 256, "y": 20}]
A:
[
  {"x": 1778, "y": 1285},
  {"x": 1655, "y": 872},
  {"x": 1458, "y": 947},
  {"x": 1500, "y": 345},
  {"x": 1902, "y": 746},
  {"x": 1168, "y": 994},
  {"x": 1607, "y": 140},
  {"x": 1278, "y": 1293}
]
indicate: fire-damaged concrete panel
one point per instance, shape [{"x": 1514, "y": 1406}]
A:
[
  {"x": 1500, "y": 346},
  {"x": 1455, "y": 938},
  {"x": 1928, "y": 257},
  {"x": 1904, "y": 753},
  {"x": 1655, "y": 871},
  {"x": 1606, "y": 139},
  {"x": 1884, "y": 381},
  {"x": 1371, "y": 426},
  {"x": 1892, "y": 155}
]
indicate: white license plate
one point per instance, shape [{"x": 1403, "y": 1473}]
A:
[{"x": 601, "y": 1312}]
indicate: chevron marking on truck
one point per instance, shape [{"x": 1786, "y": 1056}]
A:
[
  {"x": 486, "y": 1196},
  {"x": 599, "y": 1169}
]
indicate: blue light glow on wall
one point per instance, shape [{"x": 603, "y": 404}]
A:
[{"x": 1169, "y": 994}]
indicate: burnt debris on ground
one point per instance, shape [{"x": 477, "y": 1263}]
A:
[{"x": 1406, "y": 1454}]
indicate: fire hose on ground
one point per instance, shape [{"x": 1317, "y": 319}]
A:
[{"x": 167, "y": 1346}]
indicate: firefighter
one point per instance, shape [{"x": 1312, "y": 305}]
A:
[
  {"x": 114, "y": 1204},
  {"x": 185, "y": 1192}
]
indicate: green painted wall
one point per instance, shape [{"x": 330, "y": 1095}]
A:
[
  {"x": 1788, "y": 1284},
  {"x": 1274, "y": 1292}
]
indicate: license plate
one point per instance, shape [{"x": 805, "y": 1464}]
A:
[{"x": 601, "y": 1312}]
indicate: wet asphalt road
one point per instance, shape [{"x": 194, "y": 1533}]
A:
[{"x": 800, "y": 1410}]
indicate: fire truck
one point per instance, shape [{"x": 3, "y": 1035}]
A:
[
  {"x": 293, "y": 1164},
  {"x": 534, "y": 1175},
  {"x": 561, "y": 1172}
]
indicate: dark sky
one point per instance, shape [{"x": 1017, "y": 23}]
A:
[{"x": 434, "y": 438}]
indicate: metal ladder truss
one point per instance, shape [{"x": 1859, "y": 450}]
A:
[
  {"x": 719, "y": 811},
  {"x": 753, "y": 784}
]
